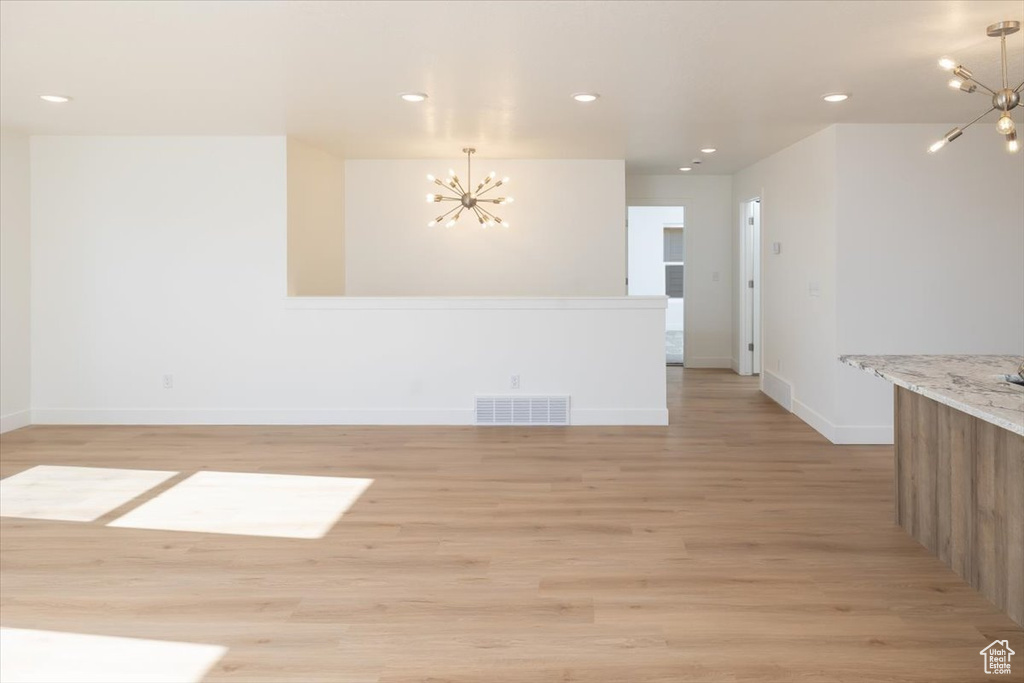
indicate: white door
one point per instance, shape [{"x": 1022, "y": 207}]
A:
[{"x": 752, "y": 286}]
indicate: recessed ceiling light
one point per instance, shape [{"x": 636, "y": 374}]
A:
[
  {"x": 57, "y": 99},
  {"x": 685, "y": 168},
  {"x": 708, "y": 150},
  {"x": 413, "y": 96},
  {"x": 835, "y": 97},
  {"x": 585, "y": 96}
]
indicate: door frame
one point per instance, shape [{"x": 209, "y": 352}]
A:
[
  {"x": 751, "y": 322},
  {"x": 676, "y": 203}
]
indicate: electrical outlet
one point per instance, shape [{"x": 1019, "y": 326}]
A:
[
  {"x": 168, "y": 381},
  {"x": 515, "y": 381}
]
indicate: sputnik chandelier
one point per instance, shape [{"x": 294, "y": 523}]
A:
[
  {"x": 467, "y": 199},
  {"x": 1003, "y": 99}
]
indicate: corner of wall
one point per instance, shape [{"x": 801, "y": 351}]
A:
[{"x": 15, "y": 280}]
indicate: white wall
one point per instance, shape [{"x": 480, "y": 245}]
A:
[
  {"x": 909, "y": 253},
  {"x": 14, "y": 280},
  {"x": 167, "y": 255},
  {"x": 567, "y": 236},
  {"x": 707, "y": 201},
  {"x": 797, "y": 190},
  {"x": 930, "y": 252},
  {"x": 316, "y": 221}
]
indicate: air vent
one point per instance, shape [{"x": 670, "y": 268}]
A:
[{"x": 522, "y": 410}]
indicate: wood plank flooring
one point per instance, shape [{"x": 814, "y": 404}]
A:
[{"x": 735, "y": 545}]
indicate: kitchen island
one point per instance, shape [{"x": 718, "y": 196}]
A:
[{"x": 959, "y": 465}]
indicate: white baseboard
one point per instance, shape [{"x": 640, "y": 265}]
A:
[
  {"x": 866, "y": 434},
  {"x": 777, "y": 389},
  {"x": 815, "y": 419},
  {"x": 319, "y": 417},
  {"x": 650, "y": 417},
  {"x": 735, "y": 365},
  {"x": 251, "y": 417},
  {"x": 843, "y": 434},
  {"x": 12, "y": 421},
  {"x": 707, "y": 362}
]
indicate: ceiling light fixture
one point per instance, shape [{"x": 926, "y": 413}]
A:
[
  {"x": 835, "y": 97},
  {"x": 468, "y": 199},
  {"x": 708, "y": 150},
  {"x": 685, "y": 168},
  {"x": 55, "y": 99},
  {"x": 413, "y": 96},
  {"x": 585, "y": 96},
  {"x": 1003, "y": 100}
]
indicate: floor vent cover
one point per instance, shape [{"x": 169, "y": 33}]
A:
[{"x": 522, "y": 410}]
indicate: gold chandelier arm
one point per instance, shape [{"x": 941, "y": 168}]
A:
[
  {"x": 1017, "y": 89},
  {"x": 965, "y": 127},
  {"x": 487, "y": 189},
  {"x": 447, "y": 213},
  {"x": 488, "y": 213},
  {"x": 984, "y": 87}
]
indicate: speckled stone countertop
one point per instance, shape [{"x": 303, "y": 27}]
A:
[{"x": 971, "y": 384}]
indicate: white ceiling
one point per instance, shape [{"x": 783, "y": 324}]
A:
[{"x": 745, "y": 77}]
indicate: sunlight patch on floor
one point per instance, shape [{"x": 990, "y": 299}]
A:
[
  {"x": 32, "y": 656},
  {"x": 280, "y": 505},
  {"x": 73, "y": 494}
]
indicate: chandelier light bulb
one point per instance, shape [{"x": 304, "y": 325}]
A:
[
  {"x": 948, "y": 137},
  {"x": 947, "y": 64},
  {"x": 955, "y": 83},
  {"x": 1012, "y": 143},
  {"x": 1005, "y": 124},
  {"x": 431, "y": 224},
  {"x": 431, "y": 178}
]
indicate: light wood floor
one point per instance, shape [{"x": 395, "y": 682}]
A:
[{"x": 735, "y": 545}]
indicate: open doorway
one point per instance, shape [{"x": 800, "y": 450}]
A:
[
  {"x": 656, "y": 249},
  {"x": 750, "y": 229}
]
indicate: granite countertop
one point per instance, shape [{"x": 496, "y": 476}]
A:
[{"x": 971, "y": 384}]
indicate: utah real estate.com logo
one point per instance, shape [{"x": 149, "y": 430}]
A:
[{"x": 997, "y": 657}]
